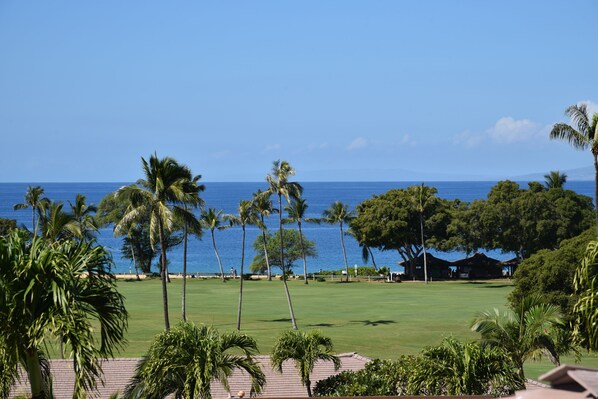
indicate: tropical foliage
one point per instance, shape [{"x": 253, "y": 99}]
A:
[
  {"x": 184, "y": 360},
  {"x": 339, "y": 213},
  {"x": 262, "y": 203},
  {"x": 52, "y": 290},
  {"x": 33, "y": 198},
  {"x": 451, "y": 368},
  {"x": 304, "y": 349},
  {"x": 528, "y": 331},
  {"x": 211, "y": 219},
  {"x": 585, "y": 311}
]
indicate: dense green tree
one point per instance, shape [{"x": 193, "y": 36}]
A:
[
  {"x": 549, "y": 273},
  {"x": 33, "y": 198},
  {"x": 529, "y": 330},
  {"x": 57, "y": 289},
  {"x": 296, "y": 212},
  {"x": 279, "y": 185},
  {"x": 366, "y": 252},
  {"x": 160, "y": 195},
  {"x": 212, "y": 220},
  {"x": 581, "y": 136},
  {"x": 467, "y": 231},
  {"x": 389, "y": 222},
  {"x": 304, "y": 349},
  {"x": 184, "y": 360},
  {"x": 7, "y": 225},
  {"x": 555, "y": 179},
  {"x": 295, "y": 247},
  {"x": 339, "y": 213},
  {"x": 246, "y": 216},
  {"x": 262, "y": 203}
]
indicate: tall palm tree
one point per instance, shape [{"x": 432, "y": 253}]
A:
[
  {"x": 585, "y": 311},
  {"x": 296, "y": 211},
  {"x": 555, "y": 179},
  {"x": 63, "y": 289},
  {"x": 82, "y": 212},
  {"x": 34, "y": 199},
  {"x": 421, "y": 198},
  {"x": 305, "y": 349},
  {"x": 366, "y": 251},
  {"x": 527, "y": 331},
  {"x": 339, "y": 213},
  {"x": 160, "y": 194},
  {"x": 580, "y": 137},
  {"x": 263, "y": 206},
  {"x": 279, "y": 185},
  {"x": 190, "y": 222},
  {"x": 184, "y": 360},
  {"x": 212, "y": 219},
  {"x": 246, "y": 216}
]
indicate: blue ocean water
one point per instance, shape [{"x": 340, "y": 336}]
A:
[{"x": 226, "y": 196}]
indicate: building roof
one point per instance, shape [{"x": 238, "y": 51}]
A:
[
  {"x": 477, "y": 260},
  {"x": 566, "y": 382},
  {"x": 118, "y": 372}
]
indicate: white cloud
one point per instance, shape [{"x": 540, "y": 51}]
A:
[
  {"x": 469, "y": 139},
  {"x": 357, "y": 144},
  {"x": 317, "y": 147},
  {"x": 508, "y": 130}
]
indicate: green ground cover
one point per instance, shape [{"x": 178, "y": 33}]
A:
[{"x": 373, "y": 319}]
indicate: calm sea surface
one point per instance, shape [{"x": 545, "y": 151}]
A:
[{"x": 226, "y": 196}]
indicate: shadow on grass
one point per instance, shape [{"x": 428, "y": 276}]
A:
[
  {"x": 485, "y": 284},
  {"x": 374, "y": 322},
  {"x": 277, "y": 321},
  {"x": 321, "y": 325}
]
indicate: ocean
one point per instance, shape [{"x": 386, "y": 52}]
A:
[{"x": 226, "y": 196}]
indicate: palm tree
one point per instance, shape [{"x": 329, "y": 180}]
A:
[
  {"x": 280, "y": 185},
  {"x": 190, "y": 222},
  {"x": 161, "y": 194},
  {"x": 581, "y": 137},
  {"x": 263, "y": 206},
  {"x": 421, "y": 198},
  {"x": 57, "y": 225},
  {"x": 247, "y": 216},
  {"x": 60, "y": 289},
  {"x": 296, "y": 211},
  {"x": 212, "y": 219},
  {"x": 33, "y": 199},
  {"x": 366, "y": 251},
  {"x": 585, "y": 313},
  {"x": 305, "y": 349},
  {"x": 527, "y": 331},
  {"x": 83, "y": 215},
  {"x": 555, "y": 179},
  {"x": 339, "y": 213},
  {"x": 184, "y": 360}
]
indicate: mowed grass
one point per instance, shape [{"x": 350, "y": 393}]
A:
[{"x": 378, "y": 320}]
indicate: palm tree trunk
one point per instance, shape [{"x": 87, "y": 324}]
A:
[
  {"x": 163, "y": 275},
  {"x": 421, "y": 222},
  {"x": 34, "y": 372},
  {"x": 373, "y": 260},
  {"x": 284, "y": 277},
  {"x": 241, "y": 283},
  {"x": 217, "y": 256},
  {"x": 184, "y": 305},
  {"x": 344, "y": 251},
  {"x": 135, "y": 263},
  {"x": 266, "y": 252},
  {"x": 596, "y": 188},
  {"x": 308, "y": 386},
  {"x": 302, "y": 252}
]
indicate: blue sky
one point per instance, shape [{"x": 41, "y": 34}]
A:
[{"x": 343, "y": 90}]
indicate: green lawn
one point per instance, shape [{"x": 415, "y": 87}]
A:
[{"x": 374, "y": 319}]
